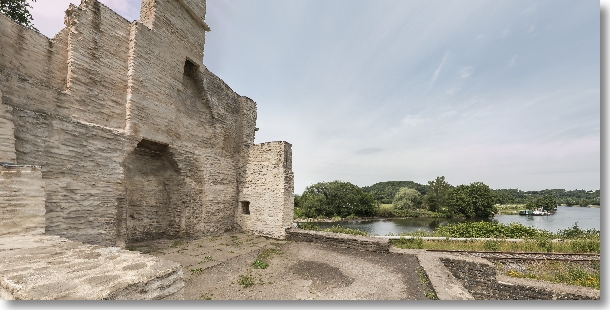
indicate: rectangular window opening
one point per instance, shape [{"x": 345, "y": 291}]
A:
[{"x": 245, "y": 207}]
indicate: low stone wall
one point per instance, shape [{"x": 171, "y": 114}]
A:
[
  {"x": 22, "y": 200},
  {"x": 339, "y": 240},
  {"x": 480, "y": 280}
]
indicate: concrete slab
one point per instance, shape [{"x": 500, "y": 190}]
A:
[
  {"x": 446, "y": 286},
  {"x": 41, "y": 267}
]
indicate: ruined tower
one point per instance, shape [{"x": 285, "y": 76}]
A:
[{"x": 136, "y": 138}]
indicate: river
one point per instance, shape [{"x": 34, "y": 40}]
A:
[{"x": 564, "y": 218}]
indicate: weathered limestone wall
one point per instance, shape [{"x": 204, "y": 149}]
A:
[
  {"x": 266, "y": 200},
  {"x": 22, "y": 200},
  {"x": 7, "y": 134},
  {"x": 81, "y": 104},
  {"x": 81, "y": 166}
]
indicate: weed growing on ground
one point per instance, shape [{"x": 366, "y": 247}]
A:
[
  {"x": 263, "y": 258},
  {"x": 245, "y": 280},
  {"x": 176, "y": 244},
  {"x": 196, "y": 271},
  {"x": 259, "y": 264},
  {"x": 425, "y": 282}
]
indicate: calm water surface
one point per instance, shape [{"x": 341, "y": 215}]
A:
[{"x": 564, "y": 218}]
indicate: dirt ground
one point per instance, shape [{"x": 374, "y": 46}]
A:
[{"x": 223, "y": 268}]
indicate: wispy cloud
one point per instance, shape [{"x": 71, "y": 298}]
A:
[
  {"x": 513, "y": 61},
  {"x": 531, "y": 9},
  {"x": 438, "y": 70},
  {"x": 413, "y": 120},
  {"x": 465, "y": 72},
  {"x": 506, "y": 32},
  {"x": 369, "y": 151}
]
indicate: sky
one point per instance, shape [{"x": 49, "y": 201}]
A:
[{"x": 501, "y": 92}]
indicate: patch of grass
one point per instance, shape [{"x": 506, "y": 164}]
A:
[
  {"x": 491, "y": 245},
  {"x": 528, "y": 245},
  {"x": 411, "y": 243},
  {"x": 560, "y": 272},
  {"x": 196, "y": 271},
  {"x": 176, "y": 244},
  {"x": 245, "y": 280},
  {"x": 263, "y": 258},
  {"x": 425, "y": 282},
  {"x": 259, "y": 264}
]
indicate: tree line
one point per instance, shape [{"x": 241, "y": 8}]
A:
[
  {"x": 384, "y": 192},
  {"x": 438, "y": 198}
]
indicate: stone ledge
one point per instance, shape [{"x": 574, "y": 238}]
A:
[
  {"x": 50, "y": 267},
  {"x": 339, "y": 240}
]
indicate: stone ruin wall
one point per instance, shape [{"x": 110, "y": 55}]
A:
[
  {"x": 267, "y": 181},
  {"x": 136, "y": 138},
  {"x": 22, "y": 205}
]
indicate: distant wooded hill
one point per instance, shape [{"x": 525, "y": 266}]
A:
[{"x": 384, "y": 193}]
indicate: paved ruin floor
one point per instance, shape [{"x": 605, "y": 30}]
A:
[
  {"x": 41, "y": 267},
  {"x": 297, "y": 271}
]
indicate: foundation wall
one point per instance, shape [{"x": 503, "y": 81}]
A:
[{"x": 22, "y": 206}]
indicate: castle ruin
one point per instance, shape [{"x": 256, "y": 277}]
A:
[{"x": 135, "y": 138}]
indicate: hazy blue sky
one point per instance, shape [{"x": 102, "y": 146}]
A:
[{"x": 502, "y": 92}]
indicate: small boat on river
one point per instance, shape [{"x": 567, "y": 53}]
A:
[{"x": 537, "y": 212}]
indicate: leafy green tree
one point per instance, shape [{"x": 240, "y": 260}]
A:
[
  {"x": 384, "y": 192},
  {"x": 18, "y": 10},
  {"x": 407, "y": 199},
  {"x": 546, "y": 202},
  {"x": 474, "y": 200},
  {"x": 437, "y": 196},
  {"x": 336, "y": 198}
]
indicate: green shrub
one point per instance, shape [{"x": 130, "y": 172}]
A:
[
  {"x": 585, "y": 246},
  {"x": 308, "y": 226},
  {"x": 386, "y": 210},
  {"x": 490, "y": 230},
  {"x": 576, "y": 232},
  {"x": 345, "y": 230},
  {"x": 545, "y": 244},
  {"x": 411, "y": 243}
]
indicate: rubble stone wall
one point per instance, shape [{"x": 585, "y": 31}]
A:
[
  {"x": 480, "y": 281},
  {"x": 267, "y": 185},
  {"x": 339, "y": 240}
]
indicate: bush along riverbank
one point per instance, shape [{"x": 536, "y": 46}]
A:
[{"x": 570, "y": 240}]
